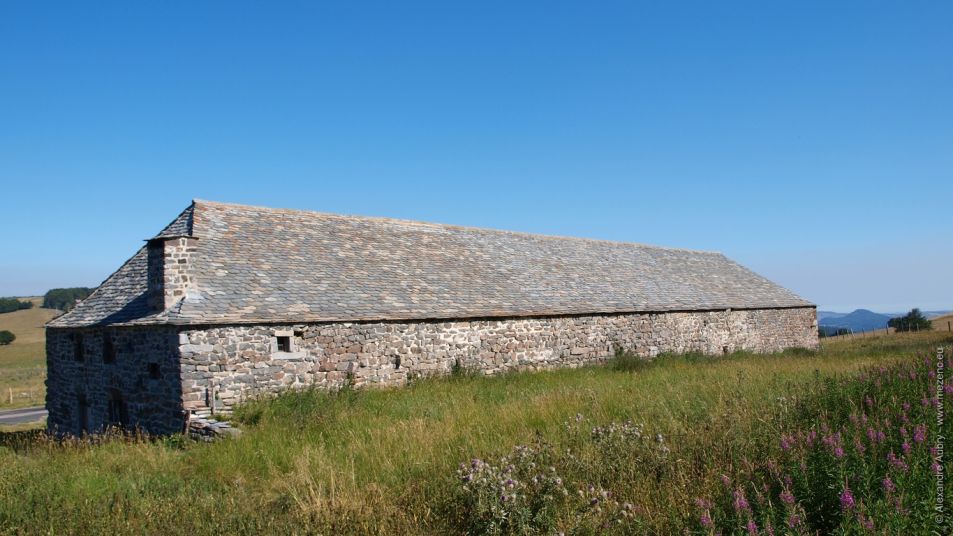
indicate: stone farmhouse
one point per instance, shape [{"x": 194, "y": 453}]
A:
[{"x": 230, "y": 302}]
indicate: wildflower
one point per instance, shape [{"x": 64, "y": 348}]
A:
[
  {"x": 920, "y": 433},
  {"x": 859, "y": 446},
  {"x": 702, "y": 503},
  {"x": 725, "y": 480},
  {"x": 865, "y": 521},
  {"x": 869, "y": 401},
  {"x": 889, "y": 486},
  {"x": 787, "y": 497},
  {"x": 705, "y": 521},
  {"x": 785, "y": 443},
  {"x": 838, "y": 452},
  {"x": 906, "y": 447},
  {"x": 741, "y": 503},
  {"x": 794, "y": 521},
  {"x": 752, "y": 527},
  {"x": 846, "y": 499}
]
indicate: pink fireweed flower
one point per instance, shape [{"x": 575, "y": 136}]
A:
[
  {"x": 897, "y": 462},
  {"x": 786, "y": 442},
  {"x": 838, "y": 452},
  {"x": 859, "y": 446},
  {"x": 881, "y": 436},
  {"x": 888, "y": 485},
  {"x": 903, "y": 431},
  {"x": 752, "y": 527},
  {"x": 741, "y": 503},
  {"x": 705, "y": 521},
  {"x": 787, "y": 497},
  {"x": 871, "y": 435},
  {"x": 865, "y": 521},
  {"x": 906, "y": 448},
  {"x": 846, "y": 499},
  {"x": 794, "y": 521},
  {"x": 869, "y": 401},
  {"x": 906, "y": 406},
  {"x": 725, "y": 480},
  {"x": 702, "y": 503}
]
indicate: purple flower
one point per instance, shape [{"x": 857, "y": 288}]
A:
[
  {"x": 787, "y": 497},
  {"x": 794, "y": 521},
  {"x": 869, "y": 401},
  {"x": 725, "y": 480},
  {"x": 846, "y": 499},
  {"x": 702, "y": 503},
  {"x": 866, "y": 522},
  {"x": 741, "y": 503},
  {"x": 889, "y": 486},
  {"x": 705, "y": 520},
  {"x": 859, "y": 446},
  {"x": 906, "y": 447},
  {"x": 752, "y": 527},
  {"x": 838, "y": 452},
  {"x": 920, "y": 433},
  {"x": 785, "y": 443}
]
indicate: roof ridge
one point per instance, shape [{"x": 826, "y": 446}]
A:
[{"x": 402, "y": 221}]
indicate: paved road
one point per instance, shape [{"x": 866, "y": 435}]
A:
[{"x": 22, "y": 415}]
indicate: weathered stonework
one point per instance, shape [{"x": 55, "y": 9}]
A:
[
  {"x": 229, "y": 302},
  {"x": 142, "y": 380},
  {"x": 169, "y": 270},
  {"x": 211, "y": 369},
  {"x": 238, "y": 362}
]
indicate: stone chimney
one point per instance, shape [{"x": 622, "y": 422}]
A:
[{"x": 170, "y": 270}]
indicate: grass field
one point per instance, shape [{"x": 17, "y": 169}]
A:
[
  {"x": 23, "y": 362},
  {"x": 943, "y": 323},
  {"x": 387, "y": 461}
]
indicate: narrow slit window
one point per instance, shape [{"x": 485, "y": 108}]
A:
[
  {"x": 109, "y": 351},
  {"x": 79, "y": 348},
  {"x": 284, "y": 344}
]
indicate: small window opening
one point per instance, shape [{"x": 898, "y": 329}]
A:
[
  {"x": 299, "y": 333},
  {"x": 284, "y": 344},
  {"x": 154, "y": 372},
  {"x": 396, "y": 362},
  {"x": 109, "y": 351},
  {"x": 79, "y": 348},
  {"x": 116, "y": 409}
]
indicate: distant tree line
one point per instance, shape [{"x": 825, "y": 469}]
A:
[
  {"x": 830, "y": 331},
  {"x": 912, "y": 321},
  {"x": 8, "y": 305},
  {"x": 65, "y": 298}
]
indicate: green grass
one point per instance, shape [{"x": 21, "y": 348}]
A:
[
  {"x": 384, "y": 461},
  {"x": 23, "y": 362}
]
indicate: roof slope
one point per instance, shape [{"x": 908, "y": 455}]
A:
[{"x": 269, "y": 265}]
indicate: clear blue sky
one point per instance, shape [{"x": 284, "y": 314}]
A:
[{"x": 810, "y": 141}]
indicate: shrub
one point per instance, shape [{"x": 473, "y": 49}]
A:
[
  {"x": 8, "y": 305},
  {"x": 912, "y": 321},
  {"x": 6, "y": 337},
  {"x": 65, "y": 298}
]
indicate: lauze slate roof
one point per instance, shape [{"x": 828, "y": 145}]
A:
[{"x": 260, "y": 265}]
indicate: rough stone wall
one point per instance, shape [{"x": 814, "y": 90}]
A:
[
  {"x": 144, "y": 371},
  {"x": 170, "y": 264},
  {"x": 233, "y": 363}
]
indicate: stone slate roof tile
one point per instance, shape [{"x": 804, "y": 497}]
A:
[{"x": 260, "y": 265}]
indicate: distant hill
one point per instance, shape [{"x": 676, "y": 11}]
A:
[
  {"x": 859, "y": 320},
  {"x": 943, "y": 323}
]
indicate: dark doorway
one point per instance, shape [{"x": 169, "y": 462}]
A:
[{"x": 116, "y": 414}]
